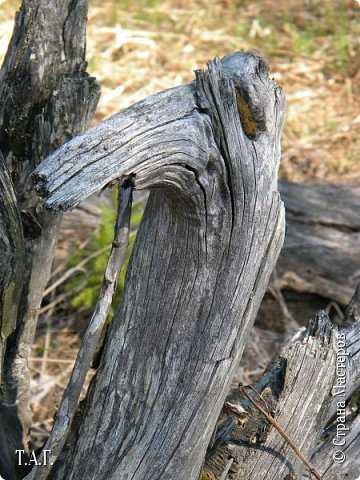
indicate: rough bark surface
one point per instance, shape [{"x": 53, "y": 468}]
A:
[
  {"x": 46, "y": 98},
  {"x": 11, "y": 273},
  {"x": 326, "y": 457},
  {"x": 91, "y": 338},
  {"x": 210, "y": 237},
  {"x": 305, "y": 406},
  {"x": 11, "y": 259}
]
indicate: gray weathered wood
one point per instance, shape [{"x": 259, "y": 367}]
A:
[
  {"x": 46, "y": 98},
  {"x": 344, "y": 468},
  {"x": 322, "y": 243},
  {"x": 326, "y": 456},
  {"x": 210, "y": 237},
  {"x": 319, "y": 263},
  {"x": 304, "y": 405},
  {"x": 320, "y": 260}
]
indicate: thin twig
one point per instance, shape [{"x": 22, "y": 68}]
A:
[
  {"x": 51, "y": 360},
  {"x": 45, "y": 386},
  {"x": 74, "y": 270},
  {"x": 276, "y": 292},
  {"x": 336, "y": 307},
  {"x": 259, "y": 395},
  {"x": 60, "y": 298},
  {"x": 63, "y": 266},
  {"x": 47, "y": 341},
  {"x": 69, "y": 401},
  {"x": 282, "y": 432},
  {"x": 79, "y": 267}
]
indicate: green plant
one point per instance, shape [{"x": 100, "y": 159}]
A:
[{"x": 87, "y": 290}]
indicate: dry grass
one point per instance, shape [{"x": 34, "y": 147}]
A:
[
  {"x": 138, "y": 51},
  {"x": 140, "y": 47}
]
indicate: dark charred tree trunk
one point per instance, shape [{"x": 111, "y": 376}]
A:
[{"x": 46, "y": 97}]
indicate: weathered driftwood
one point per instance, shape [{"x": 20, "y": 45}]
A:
[
  {"x": 346, "y": 468},
  {"x": 11, "y": 258},
  {"x": 327, "y": 456},
  {"x": 46, "y": 98},
  {"x": 211, "y": 234},
  {"x": 323, "y": 233},
  {"x": 303, "y": 396}
]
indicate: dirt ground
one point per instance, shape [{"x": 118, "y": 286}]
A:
[{"x": 136, "y": 48}]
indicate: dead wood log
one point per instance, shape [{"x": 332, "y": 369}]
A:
[
  {"x": 337, "y": 455},
  {"x": 320, "y": 260},
  {"x": 46, "y": 98},
  {"x": 211, "y": 234},
  {"x": 11, "y": 259},
  {"x": 340, "y": 463},
  {"x": 307, "y": 397}
]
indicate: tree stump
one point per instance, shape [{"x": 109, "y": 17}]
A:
[{"x": 211, "y": 233}]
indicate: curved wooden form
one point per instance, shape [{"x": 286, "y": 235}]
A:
[{"x": 211, "y": 234}]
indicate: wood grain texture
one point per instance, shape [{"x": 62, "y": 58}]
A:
[
  {"x": 346, "y": 468},
  {"x": 90, "y": 341},
  {"x": 11, "y": 259},
  {"x": 47, "y": 96},
  {"x": 211, "y": 234},
  {"x": 305, "y": 407},
  {"x": 11, "y": 272},
  {"x": 319, "y": 264},
  {"x": 321, "y": 252},
  {"x": 326, "y": 456}
]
